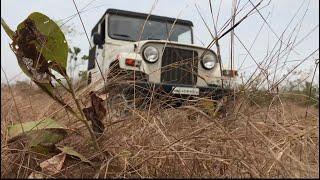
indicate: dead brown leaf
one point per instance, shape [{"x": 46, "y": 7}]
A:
[
  {"x": 53, "y": 165},
  {"x": 35, "y": 175},
  {"x": 96, "y": 113}
]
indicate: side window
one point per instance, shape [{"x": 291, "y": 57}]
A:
[{"x": 103, "y": 30}]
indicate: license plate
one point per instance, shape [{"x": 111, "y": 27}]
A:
[{"x": 186, "y": 90}]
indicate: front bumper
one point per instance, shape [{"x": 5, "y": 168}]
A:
[{"x": 214, "y": 92}]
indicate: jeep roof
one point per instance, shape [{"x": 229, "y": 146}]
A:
[{"x": 141, "y": 15}]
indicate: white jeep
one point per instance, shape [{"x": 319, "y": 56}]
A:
[{"x": 152, "y": 52}]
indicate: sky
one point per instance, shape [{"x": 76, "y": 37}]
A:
[{"x": 278, "y": 14}]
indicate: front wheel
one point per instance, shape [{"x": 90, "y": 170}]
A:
[
  {"x": 121, "y": 100},
  {"x": 118, "y": 105}
]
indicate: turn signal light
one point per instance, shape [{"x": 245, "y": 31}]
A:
[{"x": 130, "y": 62}]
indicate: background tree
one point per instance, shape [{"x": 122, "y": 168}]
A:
[{"x": 74, "y": 62}]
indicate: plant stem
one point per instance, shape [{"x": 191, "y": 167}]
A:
[{"x": 83, "y": 117}]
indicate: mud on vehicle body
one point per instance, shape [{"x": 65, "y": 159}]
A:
[{"x": 154, "y": 54}]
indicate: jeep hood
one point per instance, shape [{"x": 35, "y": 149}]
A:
[{"x": 141, "y": 43}]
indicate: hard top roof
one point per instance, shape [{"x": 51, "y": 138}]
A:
[{"x": 142, "y": 15}]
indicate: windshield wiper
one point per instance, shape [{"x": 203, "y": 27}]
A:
[{"x": 122, "y": 35}]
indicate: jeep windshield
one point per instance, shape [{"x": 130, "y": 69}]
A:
[{"x": 129, "y": 29}]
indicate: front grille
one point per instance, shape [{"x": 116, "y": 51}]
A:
[{"x": 179, "y": 66}]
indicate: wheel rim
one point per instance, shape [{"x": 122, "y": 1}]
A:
[{"x": 117, "y": 105}]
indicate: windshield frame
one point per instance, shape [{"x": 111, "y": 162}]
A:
[{"x": 157, "y": 20}]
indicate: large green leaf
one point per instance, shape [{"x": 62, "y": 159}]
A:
[
  {"x": 24, "y": 67},
  {"x": 46, "y": 137},
  {"x": 41, "y": 135},
  {"x": 22, "y": 128},
  {"x": 72, "y": 152},
  {"x": 56, "y": 47},
  {"x": 7, "y": 29}
]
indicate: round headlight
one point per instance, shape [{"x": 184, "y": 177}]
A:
[
  {"x": 151, "y": 54},
  {"x": 208, "y": 61}
]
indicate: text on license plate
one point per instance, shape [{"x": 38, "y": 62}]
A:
[{"x": 185, "y": 90}]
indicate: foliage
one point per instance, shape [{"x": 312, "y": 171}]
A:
[
  {"x": 307, "y": 94},
  {"x": 72, "y": 152},
  {"x": 54, "y": 47},
  {"x": 40, "y": 48},
  {"x": 7, "y": 29},
  {"x": 18, "y": 129},
  {"x": 44, "y": 133},
  {"x": 260, "y": 97},
  {"x": 74, "y": 56}
]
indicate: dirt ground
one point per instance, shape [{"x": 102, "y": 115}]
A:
[{"x": 249, "y": 141}]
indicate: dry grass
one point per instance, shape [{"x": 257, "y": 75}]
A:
[
  {"x": 250, "y": 141},
  {"x": 258, "y": 134}
]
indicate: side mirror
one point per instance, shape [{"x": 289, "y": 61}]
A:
[{"x": 97, "y": 39}]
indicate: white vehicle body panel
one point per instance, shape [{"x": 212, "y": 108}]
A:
[{"x": 120, "y": 50}]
